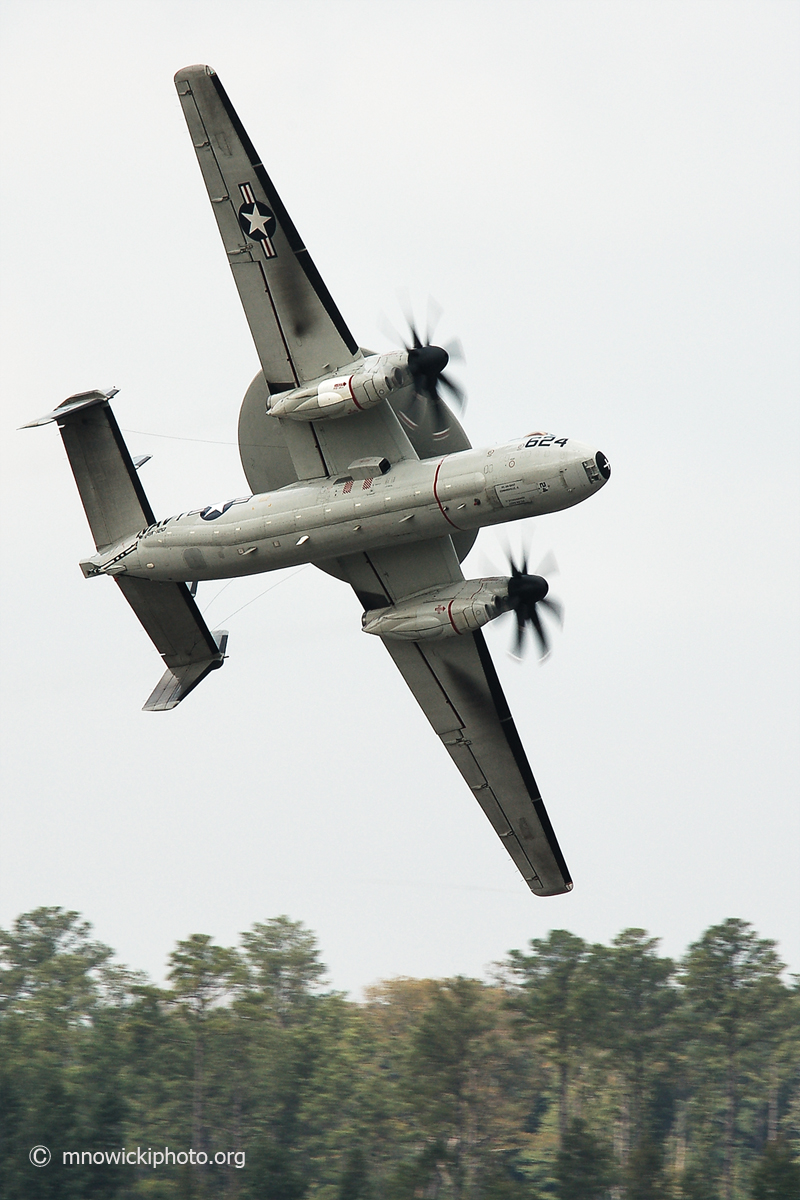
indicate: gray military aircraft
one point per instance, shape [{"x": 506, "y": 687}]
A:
[{"x": 355, "y": 464}]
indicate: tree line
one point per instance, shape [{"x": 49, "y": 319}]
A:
[{"x": 577, "y": 1072}]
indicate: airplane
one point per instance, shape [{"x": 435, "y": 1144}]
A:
[{"x": 356, "y": 464}]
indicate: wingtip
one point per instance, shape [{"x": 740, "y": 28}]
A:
[
  {"x": 187, "y": 73},
  {"x": 544, "y": 894}
]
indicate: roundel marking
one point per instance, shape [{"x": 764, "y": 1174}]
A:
[
  {"x": 257, "y": 221},
  {"x": 212, "y": 511}
]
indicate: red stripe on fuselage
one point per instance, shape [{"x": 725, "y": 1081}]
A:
[{"x": 438, "y": 501}]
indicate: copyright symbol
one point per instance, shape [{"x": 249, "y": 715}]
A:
[{"x": 39, "y": 1156}]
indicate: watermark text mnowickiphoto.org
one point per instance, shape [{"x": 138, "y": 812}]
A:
[{"x": 149, "y": 1157}]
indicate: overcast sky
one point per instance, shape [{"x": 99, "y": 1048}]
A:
[{"x": 603, "y": 197}]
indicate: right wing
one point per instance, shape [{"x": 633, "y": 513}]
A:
[{"x": 455, "y": 683}]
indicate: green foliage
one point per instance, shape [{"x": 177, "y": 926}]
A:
[
  {"x": 354, "y": 1183},
  {"x": 559, "y": 1003},
  {"x": 282, "y": 967},
  {"x": 60, "y": 1064},
  {"x": 734, "y": 1011},
  {"x": 592, "y": 1071},
  {"x": 643, "y": 1172},
  {"x": 777, "y": 1174},
  {"x": 698, "y": 1182},
  {"x": 553, "y": 984},
  {"x": 583, "y": 1166},
  {"x": 50, "y": 966},
  {"x": 201, "y": 973}
]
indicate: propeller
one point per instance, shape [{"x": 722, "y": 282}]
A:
[
  {"x": 527, "y": 595},
  {"x": 426, "y": 365}
]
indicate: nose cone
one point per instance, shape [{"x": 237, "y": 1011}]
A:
[{"x": 590, "y": 464}]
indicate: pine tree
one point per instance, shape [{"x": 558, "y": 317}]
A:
[
  {"x": 583, "y": 1166},
  {"x": 282, "y": 966},
  {"x": 201, "y": 974},
  {"x": 557, "y": 1003},
  {"x": 60, "y": 1066},
  {"x": 733, "y": 993},
  {"x": 777, "y": 1174},
  {"x": 632, "y": 1006}
]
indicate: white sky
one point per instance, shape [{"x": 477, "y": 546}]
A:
[{"x": 604, "y": 199}]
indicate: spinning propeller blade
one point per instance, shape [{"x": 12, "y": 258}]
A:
[
  {"x": 527, "y": 596},
  {"x": 426, "y": 364}
]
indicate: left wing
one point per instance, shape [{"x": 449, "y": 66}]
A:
[
  {"x": 456, "y": 685},
  {"x": 298, "y": 330}
]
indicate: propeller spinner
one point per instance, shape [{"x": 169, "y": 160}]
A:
[{"x": 426, "y": 365}]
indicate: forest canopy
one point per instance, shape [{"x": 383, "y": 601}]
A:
[{"x": 576, "y": 1071}]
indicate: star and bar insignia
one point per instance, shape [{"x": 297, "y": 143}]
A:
[{"x": 257, "y": 221}]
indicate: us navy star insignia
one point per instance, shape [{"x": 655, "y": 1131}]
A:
[
  {"x": 212, "y": 511},
  {"x": 257, "y": 221}
]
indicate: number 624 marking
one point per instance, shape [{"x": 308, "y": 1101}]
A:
[{"x": 548, "y": 440}]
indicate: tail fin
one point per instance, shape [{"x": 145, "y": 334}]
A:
[
  {"x": 109, "y": 486},
  {"x": 116, "y": 507}
]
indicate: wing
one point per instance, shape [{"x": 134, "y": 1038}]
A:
[
  {"x": 456, "y": 685},
  {"x": 298, "y": 330}
]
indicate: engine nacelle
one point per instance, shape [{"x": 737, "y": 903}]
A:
[
  {"x": 375, "y": 379},
  {"x": 445, "y": 612}
]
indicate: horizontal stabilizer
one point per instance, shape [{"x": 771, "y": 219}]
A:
[
  {"x": 177, "y": 682},
  {"x": 72, "y": 404},
  {"x": 175, "y": 626},
  {"x": 110, "y": 489}
]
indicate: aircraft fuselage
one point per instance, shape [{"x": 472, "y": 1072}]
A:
[{"x": 322, "y": 519}]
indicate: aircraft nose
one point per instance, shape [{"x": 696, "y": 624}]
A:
[{"x": 603, "y": 465}]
